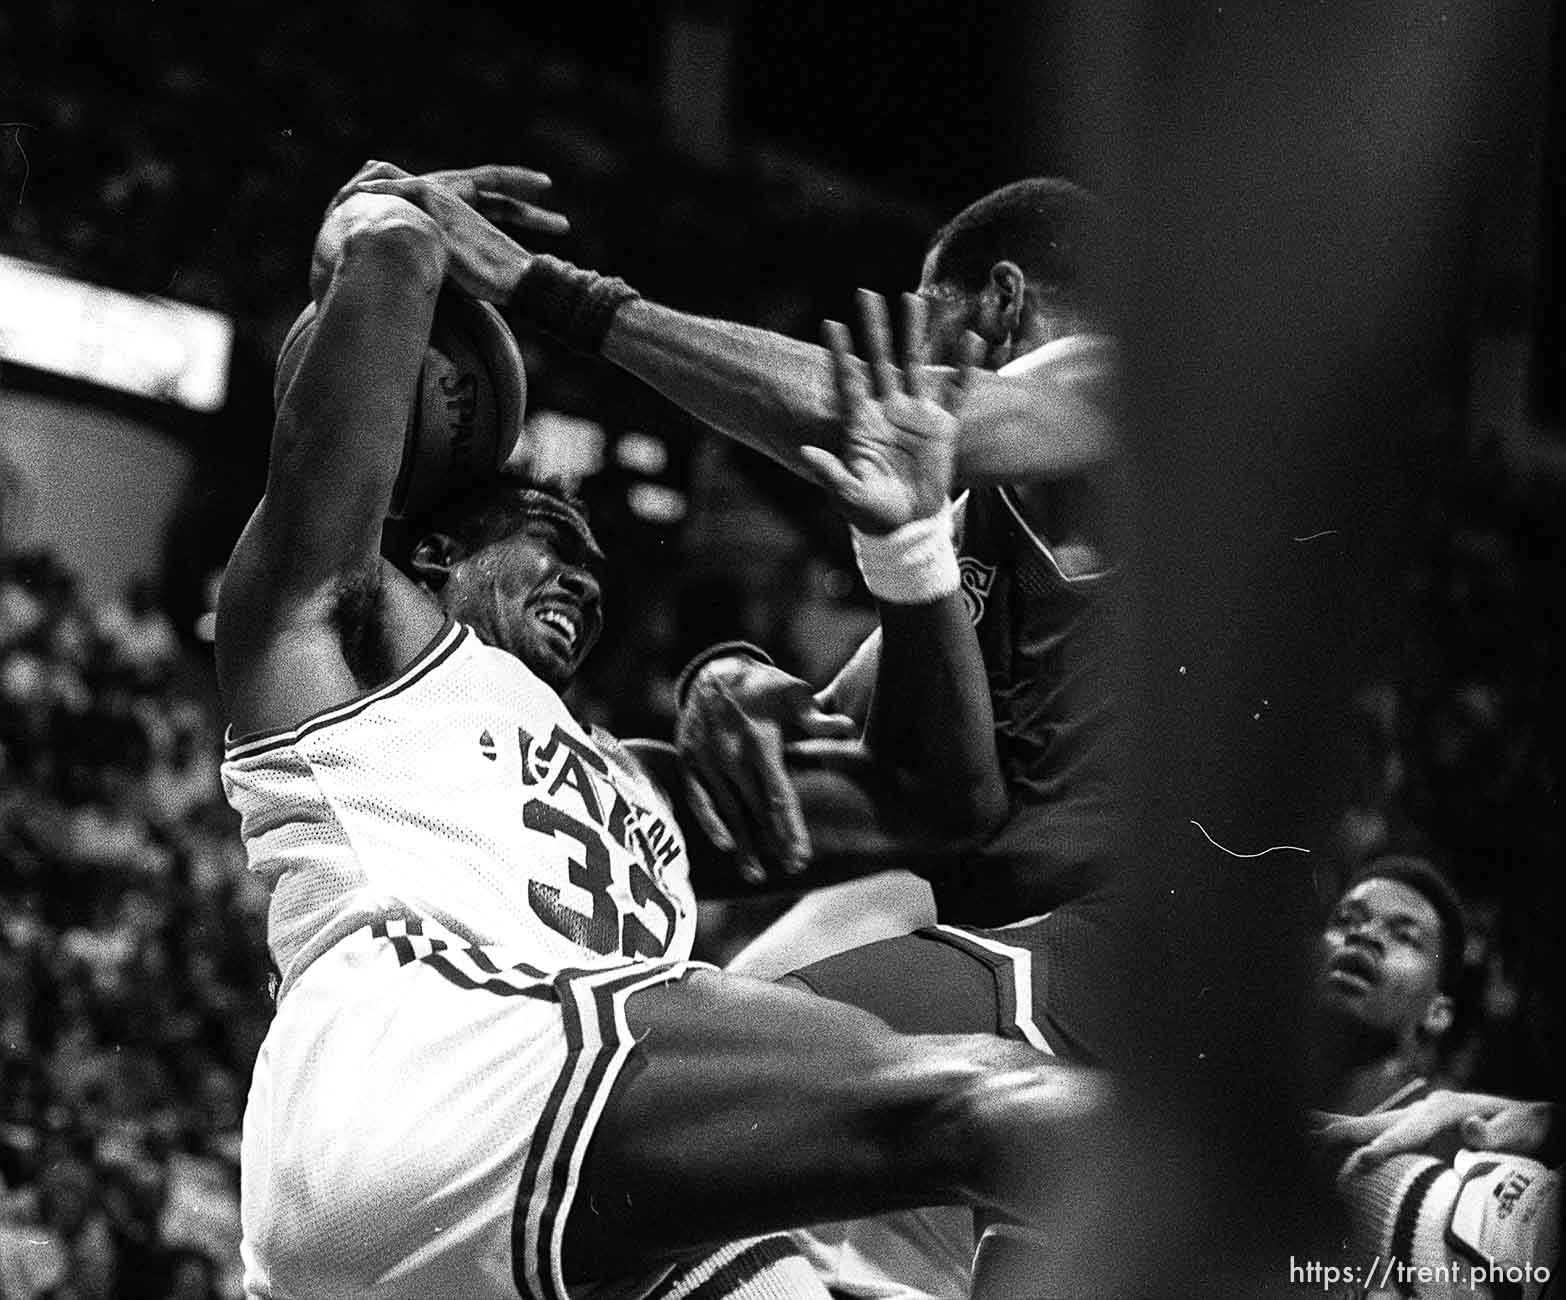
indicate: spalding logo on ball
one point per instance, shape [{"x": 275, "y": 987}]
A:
[{"x": 466, "y": 420}]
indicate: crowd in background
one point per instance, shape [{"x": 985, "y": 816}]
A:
[
  {"x": 131, "y": 940},
  {"x": 130, "y": 953},
  {"x": 1457, "y": 754}
]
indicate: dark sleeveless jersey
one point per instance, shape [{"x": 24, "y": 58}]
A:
[{"x": 1052, "y": 646}]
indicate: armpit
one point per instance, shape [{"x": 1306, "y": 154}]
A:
[{"x": 359, "y": 618}]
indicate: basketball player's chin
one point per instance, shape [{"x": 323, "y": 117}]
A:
[{"x": 551, "y": 657}]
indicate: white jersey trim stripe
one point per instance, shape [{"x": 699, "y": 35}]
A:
[
  {"x": 1082, "y": 579},
  {"x": 1006, "y": 961},
  {"x": 1054, "y": 351},
  {"x": 426, "y": 661}
]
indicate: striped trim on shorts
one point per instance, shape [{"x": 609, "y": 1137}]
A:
[
  {"x": 598, "y": 1040},
  {"x": 1012, "y": 969}
]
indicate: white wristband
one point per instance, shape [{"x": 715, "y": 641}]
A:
[{"x": 911, "y": 565}]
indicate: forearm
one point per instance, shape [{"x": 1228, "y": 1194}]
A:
[
  {"x": 348, "y": 376},
  {"x": 765, "y": 390},
  {"x": 930, "y": 719},
  {"x": 773, "y": 393},
  {"x": 339, "y": 432}
]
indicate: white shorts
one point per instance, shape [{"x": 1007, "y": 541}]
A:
[{"x": 410, "y": 1087}]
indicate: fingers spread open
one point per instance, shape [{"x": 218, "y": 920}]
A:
[
  {"x": 916, "y": 346},
  {"x": 876, "y": 329},
  {"x": 846, "y": 377},
  {"x": 705, "y": 815},
  {"x": 717, "y": 805},
  {"x": 971, "y": 355},
  {"x": 502, "y": 178},
  {"x": 504, "y": 210},
  {"x": 785, "y": 840},
  {"x": 415, "y": 189},
  {"x": 373, "y": 170},
  {"x": 831, "y": 473}
]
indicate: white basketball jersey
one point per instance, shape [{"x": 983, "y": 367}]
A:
[{"x": 463, "y": 791}]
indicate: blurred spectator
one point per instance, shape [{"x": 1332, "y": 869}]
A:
[
  {"x": 130, "y": 952},
  {"x": 1454, "y": 757}
]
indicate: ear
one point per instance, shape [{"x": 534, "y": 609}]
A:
[
  {"x": 1010, "y": 287},
  {"x": 1438, "y": 1017},
  {"x": 433, "y": 559}
]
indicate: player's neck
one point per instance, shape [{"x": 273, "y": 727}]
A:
[
  {"x": 1041, "y": 328},
  {"x": 1360, "y": 1088}
]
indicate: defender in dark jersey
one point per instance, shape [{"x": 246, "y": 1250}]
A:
[
  {"x": 1040, "y": 550},
  {"x": 1041, "y": 544}
]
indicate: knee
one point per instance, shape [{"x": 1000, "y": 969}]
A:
[
  {"x": 961, "y": 1114},
  {"x": 1014, "y": 1116}
]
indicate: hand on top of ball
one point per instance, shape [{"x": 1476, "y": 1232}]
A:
[{"x": 467, "y": 205}]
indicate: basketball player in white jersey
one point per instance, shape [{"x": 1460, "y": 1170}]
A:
[{"x": 492, "y": 1069}]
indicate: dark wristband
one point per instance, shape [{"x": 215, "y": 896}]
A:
[
  {"x": 682, "y": 683},
  {"x": 575, "y": 306}
]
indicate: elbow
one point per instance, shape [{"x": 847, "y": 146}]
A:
[{"x": 391, "y": 242}]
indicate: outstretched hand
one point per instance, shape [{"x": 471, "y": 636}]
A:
[
  {"x": 731, "y": 735},
  {"x": 1479, "y": 1121},
  {"x": 469, "y": 205},
  {"x": 899, "y": 443}
]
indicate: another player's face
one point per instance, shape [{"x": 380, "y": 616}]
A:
[
  {"x": 534, "y": 593},
  {"x": 950, "y": 313},
  {"x": 1382, "y": 960}
]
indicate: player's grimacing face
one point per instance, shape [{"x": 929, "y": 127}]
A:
[
  {"x": 535, "y": 593},
  {"x": 1382, "y": 955}
]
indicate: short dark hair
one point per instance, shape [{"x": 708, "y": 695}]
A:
[
  {"x": 1429, "y": 881},
  {"x": 1050, "y": 227},
  {"x": 485, "y": 513}
]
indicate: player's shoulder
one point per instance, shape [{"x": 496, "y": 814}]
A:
[
  {"x": 1084, "y": 358},
  {"x": 282, "y": 663}
]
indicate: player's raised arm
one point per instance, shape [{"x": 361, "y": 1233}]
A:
[
  {"x": 775, "y": 395},
  {"x": 931, "y": 722},
  {"x": 931, "y": 768},
  {"x": 306, "y": 576},
  {"x": 336, "y": 446},
  {"x": 768, "y": 391}
]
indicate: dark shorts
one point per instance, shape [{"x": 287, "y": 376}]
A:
[{"x": 1063, "y": 982}]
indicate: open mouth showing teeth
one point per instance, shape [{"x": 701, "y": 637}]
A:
[{"x": 561, "y": 623}]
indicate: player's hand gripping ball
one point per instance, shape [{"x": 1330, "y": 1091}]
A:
[{"x": 467, "y": 415}]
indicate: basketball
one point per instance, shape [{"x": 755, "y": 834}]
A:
[{"x": 467, "y": 413}]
